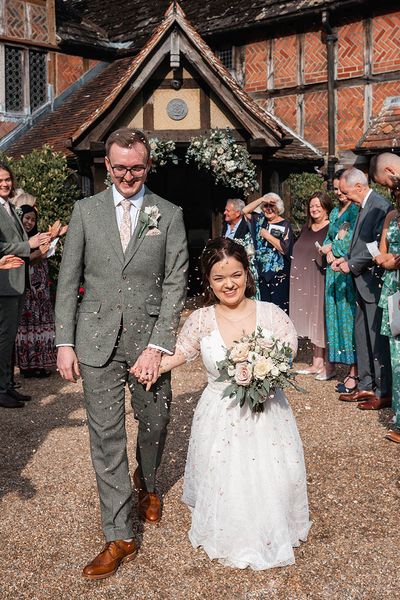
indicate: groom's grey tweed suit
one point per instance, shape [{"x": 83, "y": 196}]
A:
[{"x": 130, "y": 300}]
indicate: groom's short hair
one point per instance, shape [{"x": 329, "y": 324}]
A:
[{"x": 126, "y": 137}]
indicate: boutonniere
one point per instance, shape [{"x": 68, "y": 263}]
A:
[
  {"x": 19, "y": 212},
  {"x": 149, "y": 218}
]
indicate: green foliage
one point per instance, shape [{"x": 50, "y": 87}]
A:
[
  {"x": 382, "y": 190},
  {"x": 46, "y": 175},
  {"x": 300, "y": 187}
]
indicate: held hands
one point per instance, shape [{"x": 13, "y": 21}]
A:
[
  {"x": 147, "y": 367},
  {"x": 68, "y": 364},
  {"x": 388, "y": 261},
  {"x": 330, "y": 257},
  {"x": 335, "y": 266}
]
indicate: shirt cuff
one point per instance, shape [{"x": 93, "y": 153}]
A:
[
  {"x": 161, "y": 348},
  {"x": 65, "y": 345}
]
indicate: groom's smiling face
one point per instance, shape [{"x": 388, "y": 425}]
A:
[{"x": 128, "y": 168}]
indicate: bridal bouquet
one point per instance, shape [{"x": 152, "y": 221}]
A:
[{"x": 256, "y": 366}]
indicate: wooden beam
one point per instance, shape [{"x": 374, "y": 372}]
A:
[
  {"x": 205, "y": 109},
  {"x": 321, "y": 87},
  {"x": 148, "y": 112}
]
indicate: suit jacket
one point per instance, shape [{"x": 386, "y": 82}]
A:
[
  {"x": 368, "y": 228},
  {"x": 240, "y": 231},
  {"x": 144, "y": 288},
  {"x": 13, "y": 240}
]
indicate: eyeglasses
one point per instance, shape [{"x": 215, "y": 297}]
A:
[{"x": 121, "y": 171}]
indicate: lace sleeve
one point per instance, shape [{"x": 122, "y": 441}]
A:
[
  {"x": 188, "y": 342},
  {"x": 276, "y": 320}
]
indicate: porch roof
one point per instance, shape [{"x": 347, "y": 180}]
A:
[{"x": 384, "y": 132}]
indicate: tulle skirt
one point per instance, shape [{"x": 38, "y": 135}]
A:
[{"x": 245, "y": 482}]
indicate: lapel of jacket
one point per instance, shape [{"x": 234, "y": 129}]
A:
[
  {"x": 13, "y": 221},
  {"x": 361, "y": 217},
  {"x": 136, "y": 241},
  {"x": 109, "y": 222}
]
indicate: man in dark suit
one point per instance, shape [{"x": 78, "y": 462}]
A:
[
  {"x": 373, "y": 354},
  {"x": 235, "y": 226},
  {"x": 13, "y": 240}
]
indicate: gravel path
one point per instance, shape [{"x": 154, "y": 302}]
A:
[{"x": 49, "y": 525}]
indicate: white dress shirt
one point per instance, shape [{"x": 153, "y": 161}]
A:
[{"x": 136, "y": 204}]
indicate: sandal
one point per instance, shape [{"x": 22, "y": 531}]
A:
[{"x": 342, "y": 388}]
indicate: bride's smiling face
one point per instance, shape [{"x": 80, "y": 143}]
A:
[{"x": 228, "y": 281}]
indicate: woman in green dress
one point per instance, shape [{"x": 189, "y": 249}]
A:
[
  {"x": 340, "y": 296},
  {"x": 389, "y": 258}
]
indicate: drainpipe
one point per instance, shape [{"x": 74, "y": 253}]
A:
[{"x": 331, "y": 38}]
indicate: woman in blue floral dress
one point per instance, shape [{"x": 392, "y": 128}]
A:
[
  {"x": 273, "y": 243},
  {"x": 340, "y": 296},
  {"x": 390, "y": 260}
]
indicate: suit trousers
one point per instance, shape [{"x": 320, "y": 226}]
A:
[
  {"x": 104, "y": 393},
  {"x": 10, "y": 312},
  {"x": 373, "y": 352}
]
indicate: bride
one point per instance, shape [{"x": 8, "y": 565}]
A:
[{"x": 245, "y": 479}]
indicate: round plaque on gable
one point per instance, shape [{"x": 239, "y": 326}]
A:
[{"x": 177, "y": 109}]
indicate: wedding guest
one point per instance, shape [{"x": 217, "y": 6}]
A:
[
  {"x": 373, "y": 355},
  {"x": 13, "y": 240},
  {"x": 35, "y": 351},
  {"x": 386, "y": 171},
  {"x": 236, "y": 228},
  {"x": 245, "y": 478},
  {"x": 273, "y": 243},
  {"x": 307, "y": 285},
  {"x": 340, "y": 294}
]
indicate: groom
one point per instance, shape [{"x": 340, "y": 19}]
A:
[{"x": 127, "y": 247}]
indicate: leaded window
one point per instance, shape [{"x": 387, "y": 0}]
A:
[
  {"x": 25, "y": 79},
  {"x": 37, "y": 79},
  {"x": 226, "y": 57},
  {"x": 14, "y": 79}
]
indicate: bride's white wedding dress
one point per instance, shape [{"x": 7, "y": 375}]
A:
[{"x": 245, "y": 478}]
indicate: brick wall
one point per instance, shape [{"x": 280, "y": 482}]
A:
[
  {"x": 386, "y": 43},
  {"x": 380, "y": 91},
  {"x": 256, "y": 66},
  {"x": 350, "y": 116},
  {"x": 314, "y": 58},
  {"x": 285, "y": 61},
  {"x": 350, "y": 50},
  {"x": 6, "y": 127},
  {"x": 316, "y": 119},
  {"x": 69, "y": 69},
  {"x": 285, "y": 108}
]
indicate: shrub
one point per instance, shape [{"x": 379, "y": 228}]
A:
[{"x": 46, "y": 175}]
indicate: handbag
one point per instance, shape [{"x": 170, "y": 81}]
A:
[{"x": 394, "y": 310}]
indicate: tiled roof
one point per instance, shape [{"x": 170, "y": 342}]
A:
[
  {"x": 384, "y": 131},
  {"x": 133, "y": 21},
  {"x": 85, "y": 106}
]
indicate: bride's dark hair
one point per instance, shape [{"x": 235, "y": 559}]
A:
[{"x": 215, "y": 251}]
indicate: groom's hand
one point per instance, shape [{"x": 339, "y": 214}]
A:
[
  {"x": 68, "y": 364},
  {"x": 146, "y": 368}
]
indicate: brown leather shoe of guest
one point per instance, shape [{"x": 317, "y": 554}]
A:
[
  {"x": 393, "y": 436},
  {"x": 356, "y": 396},
  {"x": 107, "y": 562},
  {"x": 375, "y": 403}
]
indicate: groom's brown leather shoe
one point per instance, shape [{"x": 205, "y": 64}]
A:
[
  {"x": 107, "y": 562},
  {"x": 375, "y": 403},
  {"x": 149, "y": 505}
]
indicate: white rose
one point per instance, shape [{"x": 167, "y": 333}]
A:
[
  {"x": 283, "y": 367},
  {"x": 240, "y": 352},
  {"x": 262, "y": 368}
]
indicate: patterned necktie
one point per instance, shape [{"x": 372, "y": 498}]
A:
[{"x": 126, "y": 224}]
